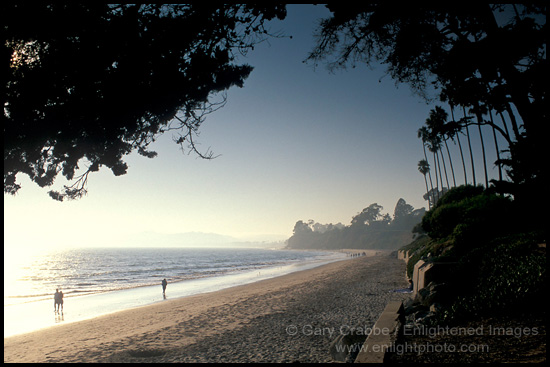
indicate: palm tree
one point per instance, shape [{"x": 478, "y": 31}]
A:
[
  {"x": 424, "y": 168},
  {"x": 437, "y": 123},
  {"x": 453, "y": 130},
  {"x": 496, "y": 101},
  {"x": 445, "y": 137},
  {"x": 434, "y": 145},
  {"x": 423, "y": 134},
  {"x": 478, "y": 113},
  {"x": 466, "y": 119},
  {"x": 445, "y": 130},
  {"x": 444, "y": 165}
]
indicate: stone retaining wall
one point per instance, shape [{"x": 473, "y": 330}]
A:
[
  {"x": 383, "y": 335},
  {"x": 426, "y": 272},
  {"x": 403, "y": 255}
]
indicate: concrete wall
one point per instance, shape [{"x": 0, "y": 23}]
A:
[
  {"x": 419, "y": 275},
  {"x": 403, "y": 255},
  {"x": 384, "y": 334},
  {"x": 424, "y": 273}
]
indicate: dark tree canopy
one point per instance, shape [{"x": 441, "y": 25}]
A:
[
  {"x": 480, "y": 56},
  {"x": 369, "y": 229},
  {"x": 95, "y": 82}
]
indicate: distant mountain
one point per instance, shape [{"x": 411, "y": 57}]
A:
[{"x": 187, "y": 239}]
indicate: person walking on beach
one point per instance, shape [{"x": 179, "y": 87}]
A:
[
  {"x": 164, "y": 284},
  {"x": 58, "y": 300},
  {"x": 55, "y": 300}
]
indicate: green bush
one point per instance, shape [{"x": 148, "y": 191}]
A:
[
  {"x": 499, "y": 278},
  {"x": 499, "y": 267},
  {"x": 441, "y": 221},
  {"x": 468, "y": 221},
  {"x": 459, "y": 193},
  {"x": 511, "y": 272}
]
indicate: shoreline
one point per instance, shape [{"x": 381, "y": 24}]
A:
[
  {"x": 292, "y": 317},
  {"x": 20, "y": 318},
  {"x": 22, "y": 299}
]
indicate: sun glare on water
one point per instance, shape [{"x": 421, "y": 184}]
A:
[{"x": 19, "y": 264}]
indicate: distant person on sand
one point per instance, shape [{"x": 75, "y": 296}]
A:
[
  {"x": 58, "y": 301},
  {"x": 164, "y": 284}
]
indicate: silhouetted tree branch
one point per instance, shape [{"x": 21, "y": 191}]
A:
[
  {"x": 96, "y": 82},
  {"x": 480, "y": 56}
]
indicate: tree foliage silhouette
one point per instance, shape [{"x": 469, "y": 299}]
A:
[
  {"x": 368, "y": 229},
  {"x": 94, "y": 82},
  {"x": 475, "y": 55}
]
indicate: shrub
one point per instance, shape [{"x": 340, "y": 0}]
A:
[
  {"x": 459, "y": 193},
  {"x": 468, "y": 221},
  {"x": 503, "y": 276}
]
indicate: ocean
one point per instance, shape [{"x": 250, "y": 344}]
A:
[{"x": 98, "y": 281}]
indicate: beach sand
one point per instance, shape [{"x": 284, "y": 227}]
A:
[{"x": 289, "y": 318}]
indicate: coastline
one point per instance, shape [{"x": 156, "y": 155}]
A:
[
  {"x": 293, "y": 317},
  {"x": 20, "y": 318}
]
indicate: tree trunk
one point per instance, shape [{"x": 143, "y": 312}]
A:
[
  {"x": 513, "y": 121},
  {"x": 479, "y": 122},
  {"x": 445, "y": 171},
  {"x": 427, "y": 192},
  {"x": 460, "y": 148},
  {"x": 505, "y": 125},
  {"x": 429, "y": 172},
  {"x": 470, "y": 147},
  {"x": 450, "y": 162},
  {"x": 436, "y": 181},
  {"x": 496, "y": 147}
]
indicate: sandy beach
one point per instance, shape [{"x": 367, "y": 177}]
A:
[{"x": 289, "y": 318}]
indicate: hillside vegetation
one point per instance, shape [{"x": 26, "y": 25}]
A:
[{"x": 498, "y": 252}]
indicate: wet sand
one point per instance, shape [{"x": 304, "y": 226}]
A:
[{"x": 289, "y": 318}]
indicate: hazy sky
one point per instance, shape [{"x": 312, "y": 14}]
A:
[{"x": 295, "y": 144}]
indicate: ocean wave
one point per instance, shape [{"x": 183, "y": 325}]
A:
[{"x": 90, "y": 271}]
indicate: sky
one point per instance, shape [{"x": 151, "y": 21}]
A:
[{"x": 296, "y": 143}]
